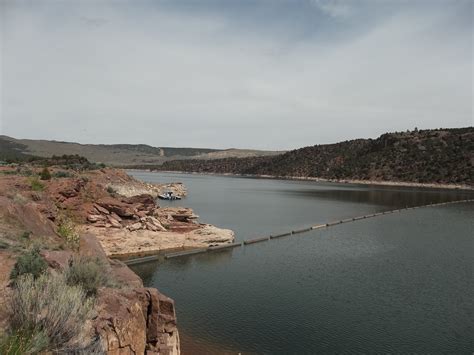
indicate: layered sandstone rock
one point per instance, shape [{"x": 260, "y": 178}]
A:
[
  {"x": 136, "y": 321},
  {"x": 137, "y": 225},
  {"x": 124, "y": 242},
  {"x": 129, "y": 189}
]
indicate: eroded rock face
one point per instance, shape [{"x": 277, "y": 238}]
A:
[
  {"x": 137, "y": 225},
  {"x": 132, "y": 188},
  {"x": 136, "y": 321}
]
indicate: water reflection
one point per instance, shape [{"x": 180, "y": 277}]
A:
[
  {"x": 398, "y": 283},
  {"x": 385, "y": 197}
]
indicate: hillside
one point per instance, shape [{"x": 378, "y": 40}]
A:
[
  {"x": 115, "y": 154},
  {"x": 427, "y": 156}
]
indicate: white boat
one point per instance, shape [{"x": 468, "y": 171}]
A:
[{"x": 169, "y": 196}]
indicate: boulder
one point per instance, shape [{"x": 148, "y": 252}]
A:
[
  {"x": 93, "y": 218},
  {"x": 116, "y": 216},
  {"x": 57, "y": 259},
  {"x": 141, "y": 214},
  {"x": 101, "y": 209},
  {"x": 68, "y": 188},
  {"x": 89, "y": 245},
  {"x": 113, "y": 222},
  {"x": 142, "y": 202},
  {"x": 118, "y": 207},
  {"x": 135, "y": 226},
  {"x": 151, "y": 227},
  {"x": 155, "y": 222},
  {"x": 177, "y": 213}
]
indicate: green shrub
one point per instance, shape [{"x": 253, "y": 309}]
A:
[
  {"x": 87, "y": 272},
  {"x": 52, "y": 308},
  {"x": 111, "y": 190},
  {"x": 30, "y": 262},
  {"x": 26, "y": 172},
  {"x": 45, "y": 174},
  {"x": 35, "y": 184},
  {"x": 61, "y": 174},
  {"x": 22, "y": 341},
  {"x": 67, "y": 230},
  {"x": 25, "y": 235}
]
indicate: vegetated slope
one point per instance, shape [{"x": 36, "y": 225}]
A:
[
  {"x": 12, "y": 151},
  {"x": 115, "y": 154},
  {"x": 425, "y": 156}
]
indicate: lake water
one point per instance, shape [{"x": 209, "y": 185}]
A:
[{"x": 395, "y": 283}]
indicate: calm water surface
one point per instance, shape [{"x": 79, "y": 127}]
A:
[{"x": 397, "y": 283}]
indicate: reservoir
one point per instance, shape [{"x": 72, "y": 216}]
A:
[{"x": 395, "y": 283}]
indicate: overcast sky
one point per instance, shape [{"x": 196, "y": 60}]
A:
[{"x": 266, "y": 74}]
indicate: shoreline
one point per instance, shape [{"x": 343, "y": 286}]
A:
[{"x": 436, "y": 186}]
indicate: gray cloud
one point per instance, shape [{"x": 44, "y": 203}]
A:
[{"x": 273, "y": 75}]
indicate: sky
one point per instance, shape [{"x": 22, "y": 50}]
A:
[{"x": 262, "y": 74}]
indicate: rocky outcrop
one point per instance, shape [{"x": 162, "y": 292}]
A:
[
  {"x": 130, "y": 319},
  {"x": 181, "y": 214},
  {"x": 136, "y": 225},
  {"x": 124, "y": 242},
  {"x": 67, "y": 189},
  {"x": 129, "y": 189},
  {"x": 136, "y": 321},
  {"x": 133, "y": 213}
]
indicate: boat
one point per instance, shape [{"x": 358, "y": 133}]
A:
[{"x": 169, "y": 196}]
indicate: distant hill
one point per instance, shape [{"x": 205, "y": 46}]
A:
[
  {"x": 115, "y": 154},
  {"x": 425, "y": 156}
]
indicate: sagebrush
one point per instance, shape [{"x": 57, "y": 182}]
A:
[
  {"x": 31, "y": 263},
  {"x": 88, "y": 272},
  {"x": 50, "y": 309}
]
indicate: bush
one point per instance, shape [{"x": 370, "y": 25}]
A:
[
  {"x": 87, "y": 272},
  {"x": 30, "y": 262},
  {"x": 61, "y": 174},
  {"x": 21, "y": 342},
  {"x": 67, "y": 230},
  {"x": 25, "y": 235},
  {"x": 36, "y": 185},
  {"x": 45, "y": 174},
  {"x": 111, "y": 190},
  {"x": 51, "y": 310}
]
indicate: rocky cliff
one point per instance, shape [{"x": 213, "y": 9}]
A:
[
  {"x": 73, "y": 213},
  {"x": 130, "y": 319}
]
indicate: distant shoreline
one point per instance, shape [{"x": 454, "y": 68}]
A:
[{"x": 342, "y": 181}]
